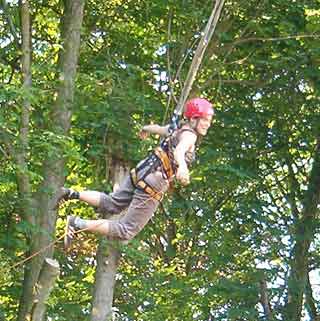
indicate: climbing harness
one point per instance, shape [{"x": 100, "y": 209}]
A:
[
  {"x": 161, "y": 158},
  {"x": 144, "y": 186}
]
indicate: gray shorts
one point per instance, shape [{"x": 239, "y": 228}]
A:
[{"x": 140, "y": 205}]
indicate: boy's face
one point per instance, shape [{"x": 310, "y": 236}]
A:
[{"x": 203, "y": 125}]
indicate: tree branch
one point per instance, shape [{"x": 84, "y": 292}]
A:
[
  {"x": 6, "y": 155},
  {"x": 253, "y": 39},
  {"x": 11, "y": 25}
]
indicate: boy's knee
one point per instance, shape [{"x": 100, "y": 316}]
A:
[
  {"x": 127, "y": 237},
  {"x": 106, "y": 206},
  {"x": 125, "y": 232}
]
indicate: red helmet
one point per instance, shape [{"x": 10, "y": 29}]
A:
[{"x": 197, "y": 108}]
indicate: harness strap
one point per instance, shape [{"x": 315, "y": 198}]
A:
[
  {"x": 165, "y": 161},
  {"x": 133, "y": 176}
]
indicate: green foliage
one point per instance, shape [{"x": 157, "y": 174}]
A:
[{"x": 200, "y": 257}]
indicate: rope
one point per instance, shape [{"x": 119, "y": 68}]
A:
[{"x": 197, "y": 59}]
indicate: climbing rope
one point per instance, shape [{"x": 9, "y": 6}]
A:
[{"x": 198, "y": 55}]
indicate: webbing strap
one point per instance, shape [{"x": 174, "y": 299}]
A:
[
  {"x": 165, "y": 161},
  {"x": 133, "y": 175}
]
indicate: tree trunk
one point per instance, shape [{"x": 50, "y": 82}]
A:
[
  {"x": 49, "y": 273},
  {"x": 303, "y": 237},
  {"x": 264, "y": 299},
  {"x": 23, "y": 144},
  {"x": 26, "y": 203},
  {"x": 107, "y": 263},
  {"x": 53, "y": 169}
]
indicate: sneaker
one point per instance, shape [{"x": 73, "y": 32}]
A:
[
  {"x": 65, "y": 194},
  {"x": 70, "y": 230}
]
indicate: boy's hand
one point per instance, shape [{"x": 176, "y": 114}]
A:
[
  {"x": 143, "y": 134},
  {"x": 183, "y": 176}
]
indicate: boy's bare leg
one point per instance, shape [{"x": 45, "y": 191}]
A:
[
  {"x": 92, "y": 226},
  {"x": 75, "y": 223},
  {"x": 90, "y": 197}
]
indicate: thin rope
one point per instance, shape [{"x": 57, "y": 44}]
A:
[
  {"x": 37, "y": 253},
  {"x": 76, "y": 232}
]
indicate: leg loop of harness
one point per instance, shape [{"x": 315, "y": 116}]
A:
[{"x": 142, "y": 185}]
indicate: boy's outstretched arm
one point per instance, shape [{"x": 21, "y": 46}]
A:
[{"x": 154, "y": 129}]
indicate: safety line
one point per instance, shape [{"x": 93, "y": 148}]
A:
[{"x": 65, "y": 233}]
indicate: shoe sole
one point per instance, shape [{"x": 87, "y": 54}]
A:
[
  {"x": 60, "y": 198},
  {"x": 67, "y": 239}
]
